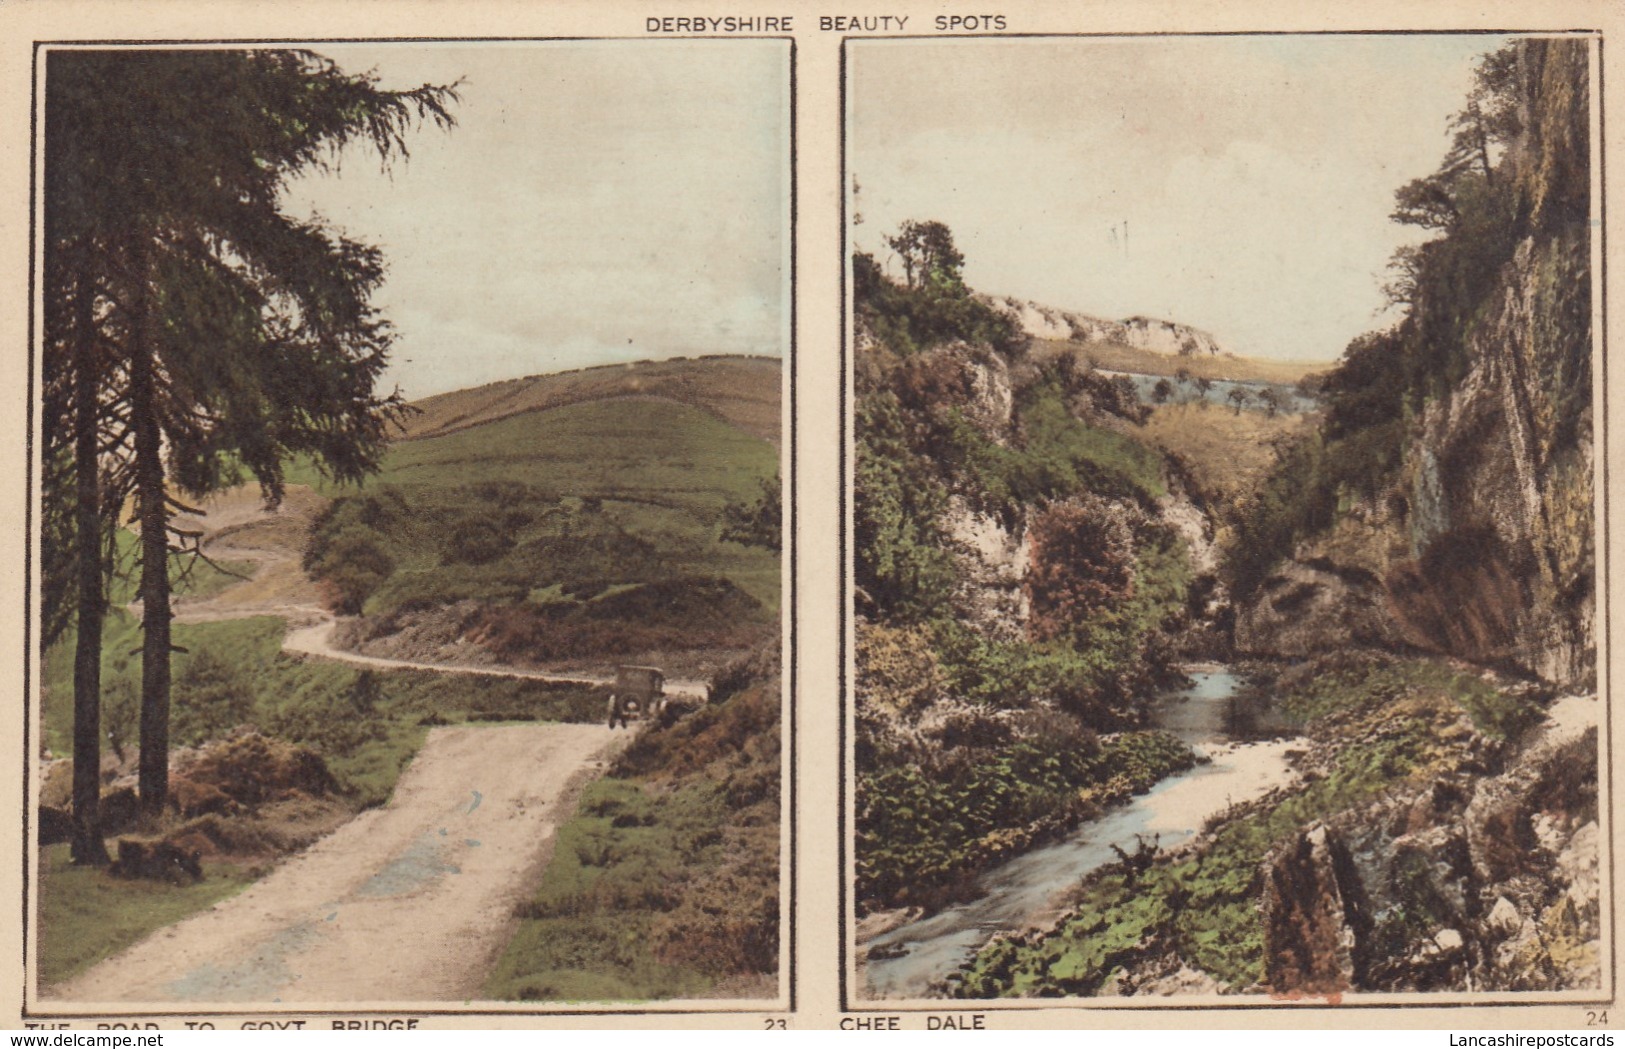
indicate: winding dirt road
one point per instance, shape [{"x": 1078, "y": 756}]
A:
[
  {"x": 237, "y": 528},
  {"x": 317, "y": 640},
  {"x": 408, "y": 902}
]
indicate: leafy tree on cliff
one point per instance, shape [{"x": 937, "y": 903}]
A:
[
  {"x": 933, "y": 305},
  {"x": 1506, "y": 176},
  {"x": 928, "y": 255}
]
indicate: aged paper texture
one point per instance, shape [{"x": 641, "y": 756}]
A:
[{"x": 764, "y": 516}]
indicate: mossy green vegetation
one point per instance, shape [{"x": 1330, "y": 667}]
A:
[
  {"x": 922, "y": 832},
  {"x": 665, "y": 882},
  {"x": 85, "y": 916},
  {"x": 1376, "y": 725},
  {"x": 644, "y": 477},
  {"x": 977, "y": 740}
]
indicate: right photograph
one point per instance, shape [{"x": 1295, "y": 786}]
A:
[{"x": 1223, "y": 620}]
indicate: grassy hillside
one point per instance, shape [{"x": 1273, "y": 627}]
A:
[
  {"x": 741, "y": 391},
  {"x": 1228, "y": 453},
  {"x": 592, "y": 530}
]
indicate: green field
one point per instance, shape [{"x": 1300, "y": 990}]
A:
[{"x": 1112, "y": 356}]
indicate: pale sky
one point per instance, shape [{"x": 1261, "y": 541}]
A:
[
  {"x": 1255, "y": 174},
  {"x": 598, "y": 202}
]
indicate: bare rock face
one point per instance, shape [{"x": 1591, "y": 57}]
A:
[
  {"x": 1517, "y": 822},
  {"x": 1142, "y": 333},
  {"x": 1500, "y": 486},
  {"x": 994, "y": 559},
  {"x": 1305, "y": 608},
  {"x": 1161, "y": 975},
  {"x": 1312, "y": 915},
  {"x": 1484, "y": 543},
  {"x": 1464, "y": 882}
]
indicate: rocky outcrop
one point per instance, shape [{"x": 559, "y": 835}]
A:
[
  {"x": 992, "y": 542},
  {"x": 1308, "y": 607},
  {"x": 994, "y": 560},
  {"x": 1463, "y": 882},
  {"x": 1480, "y": 545},
  {"x": 1499, "y": 486},
  {"x": 1312, "y": 915},
  {"x": 1141, "y": 333}
]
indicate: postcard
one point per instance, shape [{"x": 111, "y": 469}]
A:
[{"x": 766, "y": 516}]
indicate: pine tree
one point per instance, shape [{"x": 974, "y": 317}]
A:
[{"x": 223, "y": 337}]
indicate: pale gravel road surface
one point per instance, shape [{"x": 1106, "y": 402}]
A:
[
  {"x": 317, "y": 640},
  {"x": 409, "y": 902}
]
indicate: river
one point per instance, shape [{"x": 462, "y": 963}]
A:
[{"x": 1248, "y": 758}]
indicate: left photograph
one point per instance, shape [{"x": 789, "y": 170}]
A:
[{"x": 407, "y": 593}]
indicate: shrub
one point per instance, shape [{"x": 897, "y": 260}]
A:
[
  {"x": 475, "y": 540},
  {"x": 1082, "y": 564},
  {"x": 897, "y": 670},
  {"x": 211, "y": 695},
  {"x": 354, "y": 565}
]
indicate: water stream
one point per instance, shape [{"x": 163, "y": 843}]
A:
[{"x": 1248, "y": 758}]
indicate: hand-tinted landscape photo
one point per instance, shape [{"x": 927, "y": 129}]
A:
[
  {"x": 1224, "y": 613},
  {"x": 411, "y": 525}
]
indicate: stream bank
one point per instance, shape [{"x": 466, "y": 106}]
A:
[
  {"x": 1442, "y": 834},
  {"x": 1245, "y": 758}
]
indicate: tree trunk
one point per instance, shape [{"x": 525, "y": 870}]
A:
[
  {"x": 88, "y": 846},
  {"x": 153, "y": 514}
]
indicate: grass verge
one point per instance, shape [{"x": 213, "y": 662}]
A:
[
  {"x": 91, "y": 916},
  {"x": 665, "y": 882},
  {"x": 366, "y": 725}
]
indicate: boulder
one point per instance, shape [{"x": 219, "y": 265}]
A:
[{"x": 1312, "y": 915}]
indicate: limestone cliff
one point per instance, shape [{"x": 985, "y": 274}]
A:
[
  {"x": 1480, "y": 543},
  {"x": 1141, "y": 333}
]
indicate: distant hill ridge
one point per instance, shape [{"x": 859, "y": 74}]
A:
[
  {"x": 741, "y": 390},
  {"x": 1141, "y": 333}
]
